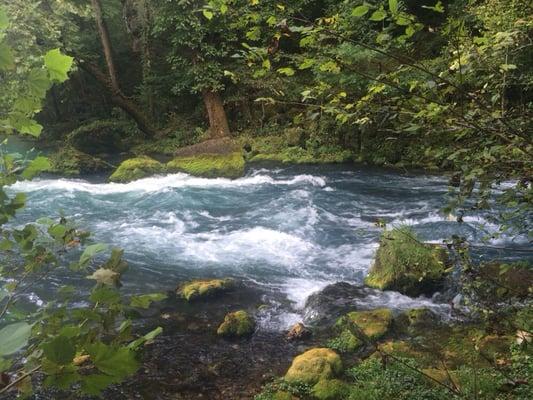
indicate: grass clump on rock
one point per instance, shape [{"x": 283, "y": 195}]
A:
[
  {"x": 314, "y": 365},
  {"x": 330, "y": 389},
  {"x": 406, "y": 265},
  {"x": 136, "y": 168},
  {"x": 209, "y": 165},
  {"x": 236, "y": 324},
  {"x": 204, "y": 288}
]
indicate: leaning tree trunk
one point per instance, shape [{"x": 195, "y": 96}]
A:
[
  {"x": 218, "y": 122},
  {"x": 111, "y": 82}
]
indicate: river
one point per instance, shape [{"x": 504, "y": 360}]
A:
[{"x": 288, "y": 230}]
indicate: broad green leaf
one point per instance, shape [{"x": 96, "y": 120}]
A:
[
  {"x": 287, "y": 71},
  {"x": 378, "y": 15},
  {"x": 393, "y": 6},
  {"x": 59, "y": 350},
  {"x": 145, "y": 300},
  {"x": 14, "y": 337},
  {"x": 105, "y": 295},
  {"x": 149, "y": 337},
  {"x": 208, "y": 14},
  {"x": 113, "y": 360},
  {"x": 57, "y": 231},
  {"x": 58, "y": 65},
  {"x": 95, "y": 384},
  {"x": 91, "y": 251},
  {"x": 36, "y": 166},
  {"x": 359, "y": 11}
]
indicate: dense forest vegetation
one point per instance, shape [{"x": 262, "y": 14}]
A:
[{"x": 128, "y": 89}]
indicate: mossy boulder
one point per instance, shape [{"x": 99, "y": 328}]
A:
[
  {"x": 237, "y": 324},
  {"x": 416, "y": 320},
  {"x": 330, "y": 389},
  {"x": 404, "y": 264},
  {"x": 372, "y": 324},
  {"x": 209, "y": 165},
  {"x": 101, "y": 136},
  {"x": 314, "y": 365},
  {"x": 204, "y": 288},
  {"x": 71, "y": 162},
  {"x": 137, "y": 168},
  {"x": 345, "y": 342}
]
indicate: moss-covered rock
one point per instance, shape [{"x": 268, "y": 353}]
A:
[
  {"x": 298, "y": 332},
  {"x": 238, "y": 323},
  {"x": 314, "y": 365},
  {"x": 405, "y": 264},
  {"x": 71, "y": 162},
  {"x": 330, "y": 389},
  {"x": 373, "y": 324},
  {"x": 137, "y": 168},
  {"x": 345, "y": 342},
  {"x": 204, "y": 288},
  {"x": 101, "y": 136},
  {"x": 209, "y": 165},
  {"x": 282, "y": 395}
]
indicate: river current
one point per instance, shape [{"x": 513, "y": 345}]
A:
[{"x": 289, "y": 230}]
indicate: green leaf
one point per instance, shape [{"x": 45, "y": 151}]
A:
[
  {"x": 149, "y": 337},
  {"x": 7, "y": 61},
  {"x": 208, "y": 14},
  {"x": 4, "y": 20},
  {"x": 105, "y": 295},
  {"x": 14, "y": 337},
  {"x": 145, "y": 300},
  {"x": 378, "y": 15},
  {"x": 287, "y": 71},
  {"x": 58, "y": 65},
  {"x": 393, "y": 6},
  {"x": 37, "y": 165},
  {"x": 59, "y": 350},
  {"x": 359, "y": 11},
  {"x": 95, "y": 384},
  {"x": 91, "y": 251},
  {"x": 116, "y": 361}
]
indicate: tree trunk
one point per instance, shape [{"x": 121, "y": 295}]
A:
[
  {"x": 111, "y": 81},
  {"x": 218, "y": 122}
]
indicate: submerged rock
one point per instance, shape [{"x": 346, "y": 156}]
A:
[
  {"x": 238, "y": 323},
  {"x": 204, "y": 288},
  {"x": 406, "y": 265},
  {"x": 372, "y": 324},
  {"x": 209, "y": 165},
  {"x": 298, "y": 332},
  {"x": 314, "y": 365},
  {"x": 136, "y": 168}
]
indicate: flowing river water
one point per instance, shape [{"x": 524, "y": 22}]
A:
[{"x": 288, "y": 230}]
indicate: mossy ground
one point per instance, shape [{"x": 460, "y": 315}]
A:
[
  {"x": 137, "y": 168},
  {"x": 372, "y": 324},
  {"x": 209, "y": 165},
  {"x": 405, "y": 264},
  {"x": 204, "y": 288},
  {"x": 236, "y": 324}
]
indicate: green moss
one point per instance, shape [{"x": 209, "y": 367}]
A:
[
  {"x": 346, "y": 342},
  {"x": 314, "y": 365},
  {"x": 238, "y": 323},
  {"x": 72, "y": 162},
  {"x": 281, "y": 395},
  {"x": 373, "y": 324},
  {"x": 330, "y": 389},
  {"x": 404, "y": 264},
  {"x": 203, "y": 288},
  {"x": 210, "y": 165},
  {"x": 136, "y": 168}
]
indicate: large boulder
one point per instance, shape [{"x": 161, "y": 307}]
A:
[
  {"x": 404, "y": 264},
  {"x": 209, "y": 165},
  {"x": 330, "y": 389},
  {"x": 100, "y": 136},
  {"x": 314, "y": 365},
  {"x": 137, "y": 168},
  {"x": 236, "y": 324},
  {"x": 71, "y": 162},
  {"x": 204, "y": 288}
]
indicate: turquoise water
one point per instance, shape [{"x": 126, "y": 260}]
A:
[{"x": 288, "y": 230}]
